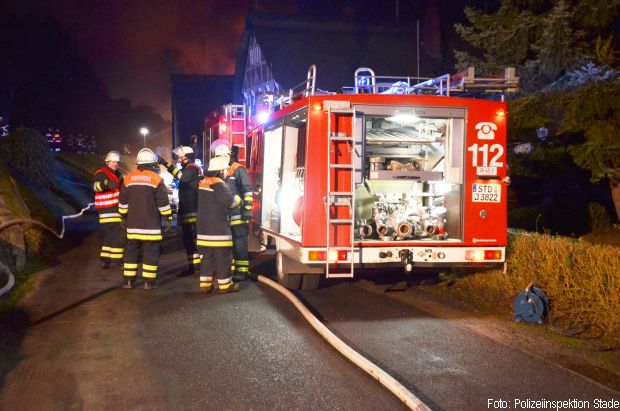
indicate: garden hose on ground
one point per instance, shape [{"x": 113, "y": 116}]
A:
[
  {"x": 3, "y": 268},
  {"x": 10, "y": 279},
  {"x": 377, "y": 373},
  {"x": 563, "y": 325}
]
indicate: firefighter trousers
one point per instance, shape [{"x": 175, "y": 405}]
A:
[
  {"x": 241, "y": 262},
  {"x": 150, "y": 259},
  {"x": 216, "y": 262},
  {"x": 113, "y": 245},
  {"x": 189, "y": 242}
]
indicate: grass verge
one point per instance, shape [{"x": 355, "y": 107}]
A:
[
  {"x": 580, "y": 278},
  {"x": 24, "y": 282}
]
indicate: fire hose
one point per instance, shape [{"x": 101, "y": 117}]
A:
[
  {"x": 406, "y": 396},
  {"x": 3, "y": 268}
]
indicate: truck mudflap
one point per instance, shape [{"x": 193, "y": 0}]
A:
[{"x": 407, "y": 255}]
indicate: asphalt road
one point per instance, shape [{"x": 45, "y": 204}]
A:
[
  {"x": 445, "y": 364},
  {"x": 80, "y": 342},
  {"x": 93, "y": 346}
]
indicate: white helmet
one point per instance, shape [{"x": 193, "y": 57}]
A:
[
  {"x": 182, "y": 151},
  {"x": 218, "y": 163},
  {"x": 146, "y": 156},
  {"x": 113, "y": 156},
  {"x": 220, "y": 147}
]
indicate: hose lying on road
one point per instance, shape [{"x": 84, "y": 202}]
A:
[{"x": 377, "y": 373}]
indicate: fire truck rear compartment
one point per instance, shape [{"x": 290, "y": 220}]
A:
[{"x": 409, "y": 174}]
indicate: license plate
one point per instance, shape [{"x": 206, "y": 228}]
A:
[{"x": 486, "y": 193}]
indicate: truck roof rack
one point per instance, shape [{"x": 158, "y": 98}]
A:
[{"x": 366, "y": 82}]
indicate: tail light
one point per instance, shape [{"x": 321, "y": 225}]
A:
[
  {"x": 482, "y": 255},
  {"x": 334, "y": 255}
]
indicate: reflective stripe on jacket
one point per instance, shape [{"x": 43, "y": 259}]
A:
[
  {"x": 106, "y": 198},
  {"x": 214, "y": 203},
  {"x": 144, "y": 200}
]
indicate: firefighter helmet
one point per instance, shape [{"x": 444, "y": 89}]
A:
[
  {"x": 218, "y": 163},
  {"x": 113, "y": 156},
  {"x": 182, "y": 151},
  {"x": 146, "y": 156},
  {"x": 220, "y": 147}
]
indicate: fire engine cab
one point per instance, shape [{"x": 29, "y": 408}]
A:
[{"x": 391, "y": 172}]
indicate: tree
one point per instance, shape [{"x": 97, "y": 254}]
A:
[
  {"x": 27, "y": 151},
  {"x": 565, "y": 55},
  {"x": 594, "y": 110},
  {"x": 543, "y": 39}
]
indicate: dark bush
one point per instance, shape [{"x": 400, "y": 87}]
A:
[{"x": 27, "y": 151}]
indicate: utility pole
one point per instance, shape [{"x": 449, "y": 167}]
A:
[{"x": 417, "y": 30}]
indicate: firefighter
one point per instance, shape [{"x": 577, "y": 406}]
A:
[
  {"x": 143, "y": 202},
  {"x": 107, "y": 183},
  {"x": 214, "y": 237},
  {"x": 188, "y": 178},
  {"x": 239, "y": 183}
]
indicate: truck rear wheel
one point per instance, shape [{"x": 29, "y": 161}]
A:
[{"x": 286, "y": 279}]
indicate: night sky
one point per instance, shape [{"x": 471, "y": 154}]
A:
[{"x": 133, "y": 46}]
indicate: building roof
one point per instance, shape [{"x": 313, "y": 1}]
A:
[{"x": 292, "y": 44}]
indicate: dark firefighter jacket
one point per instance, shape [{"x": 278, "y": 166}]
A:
[
  {"x": 143, "y": 200},
  {"x": 214, "y": 204},
  {"x": 239, "y": 183},
  {"x": 188, "y": 178},
  {"x": 107, "y": 186}
]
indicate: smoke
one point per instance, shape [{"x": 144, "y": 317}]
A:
[{"x": 134, "y": 46}]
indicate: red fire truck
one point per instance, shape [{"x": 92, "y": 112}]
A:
[
  {"x": 391, "y": 172},
  {"x": 228, "y": 122}
]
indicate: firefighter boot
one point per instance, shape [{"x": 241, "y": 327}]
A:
[
  {"x": 237, "y": 276},
  {"x": 128, "y": 284},
  {"x": 229, "y": 287},
  {"x": 206, "y": 287},
  {"x": 150, "y": 284},
  {"x": 241, "y": 270}
]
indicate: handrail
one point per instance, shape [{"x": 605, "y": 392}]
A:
[
  {"x": 357, "y": 78},
  {"x": 310, "y": 81},
  {"x": 296, "y": 91}
]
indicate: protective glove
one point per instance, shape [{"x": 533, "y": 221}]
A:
[
  {"x": 162, "y": 161},
  {"x": 124, "y": 223},
  {"x": 167, "y": 224},
  {"x": 104, "y": 184}
]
